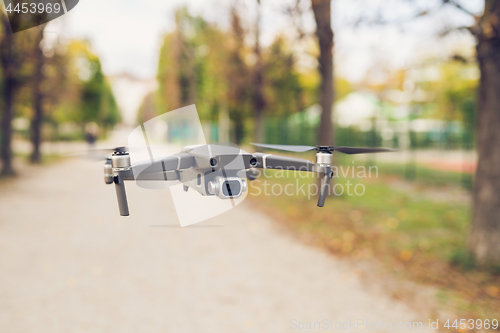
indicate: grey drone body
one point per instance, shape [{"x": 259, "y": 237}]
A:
[{"x": 217, "y": 170}]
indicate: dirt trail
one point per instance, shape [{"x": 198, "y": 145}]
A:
[{"x": 69, "y": 263}]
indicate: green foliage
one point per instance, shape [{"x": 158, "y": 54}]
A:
[
  {"x": 87, "y": 95},
  {"x": 455, "y": 91},
  {"x": 192, "y": 66},
  {"x": 203, "y": 64},
  {"x": 74, "y": 88},
  {"x": 451, "y": 94},
  {"x": 283, "y": 88}
]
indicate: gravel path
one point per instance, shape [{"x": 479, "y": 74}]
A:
[{"x": 69, "y": 263}]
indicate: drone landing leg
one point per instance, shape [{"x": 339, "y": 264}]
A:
[
  {"x": 121, "y": 196},
  {"x": 324, "y": 188}
]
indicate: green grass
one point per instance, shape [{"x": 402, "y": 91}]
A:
[
  {"x": 46, "y": 158},
  {"x": 426, "y": 176},
  {"x": 416, "y": 172}
]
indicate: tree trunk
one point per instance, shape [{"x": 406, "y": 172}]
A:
[
  {"x": 324, "y": 33},
  {"x": 258, "y": 100},
  {"x": 6, "y": 142},
  {"x": 484, "y": 241},
  {"x": 239, "y": 127},
  {"x": 8, "y": 62},
  {"x": 238, "y": 92},
  {"x": 37, "y": 121}
]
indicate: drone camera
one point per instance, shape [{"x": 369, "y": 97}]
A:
[
  {"x": 213, "y": 162},
  {"x": 230, "y": 188},
  {"x": 253, "y": 162},
  {"x": 226, "y": 188}
]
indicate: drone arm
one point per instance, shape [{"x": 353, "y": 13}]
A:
[
  {"x": 169, "y": 163},
  {"x": 164, "y": 169},
  {"x": 268, "y": 161}
]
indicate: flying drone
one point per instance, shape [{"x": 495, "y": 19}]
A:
[{"x": 216, "y": 170}]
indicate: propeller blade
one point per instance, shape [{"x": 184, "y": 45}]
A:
[
  {"x": 94, "y": 156},
  {"x": 296, "y": 149},
  {"x": 356, "y": 150},
  {"x": 106, "y": 151}
]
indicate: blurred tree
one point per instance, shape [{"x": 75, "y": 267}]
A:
[
  {"x": 37, "y": 81},
  {"x": 283, "y": 88},
  {"x": 67, "y": 80},
  {"x": 21, "y": 59},
  {"x": 453, "y": 94},
  {"x": 168, "y": 77},
  {"x": 95, "y": 101},
  {"x": 10, "y": 67},
  {"x": 485, "y": 231},
  {"x": 192, "y": 67},
  {"x": 203, "y": 64},
  {"x": 238, "y": 75},
  {"x": 177, "y": 64},
  {"x": 324, "y": 33},
  {"x": 75, "y": 89},
  {"x": 14, "y": 50},
  {"x": 258, "y": 97},
  {"x": 225, "y": 76},
  {"x": 147, "y": 110},
  {"x": 57, "y": 85},
  {"x": 42, "y": 87}
]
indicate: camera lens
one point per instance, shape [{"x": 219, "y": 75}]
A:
[{"x": 231, "y": 188}]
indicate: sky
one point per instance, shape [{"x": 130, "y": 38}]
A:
[{"x": 126, "y": 34}]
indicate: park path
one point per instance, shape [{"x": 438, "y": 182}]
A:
[{"x": 69, "y": 263}]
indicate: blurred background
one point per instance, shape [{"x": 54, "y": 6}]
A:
[{"x": 420, "y": 76}]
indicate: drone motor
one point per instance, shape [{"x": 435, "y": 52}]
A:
[
  {"x": 120, "y": 159},
  {"x": 324, "y": 158}
]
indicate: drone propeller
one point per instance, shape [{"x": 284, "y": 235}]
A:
[
  {"x": 296, "y": 149},
  {"x": 101, "y": 154},
  {"x": 94, "y": 155},
  {"x": 357, "y": 150},
  {"x": 345, "y": 150},
  {"x": 112, "y": 150}
]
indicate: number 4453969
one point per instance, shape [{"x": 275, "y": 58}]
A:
[
  {"x": 472, "y": 324},
  {"x": 33, "y": 8}
]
